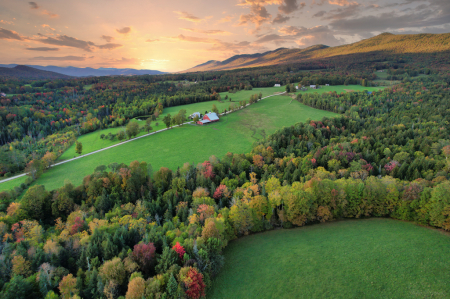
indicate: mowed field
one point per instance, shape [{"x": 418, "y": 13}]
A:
[
  {"x": 235, "y": 133},
  {"x": 371, "y": 258},
  {"x": 92, "y": 141}
]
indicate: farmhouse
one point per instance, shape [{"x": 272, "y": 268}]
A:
[
  {"x": 277, "y": 85},
  {"x": 208, "y": 118},
  {"x": 193, "y": 115},
  {"x": 327, "y": 84},
  {"x": 313, "y": 86}
]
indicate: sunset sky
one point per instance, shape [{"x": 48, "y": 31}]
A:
[{"x": 173, "y": 35}]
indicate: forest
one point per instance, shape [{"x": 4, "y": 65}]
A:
[{"x": 131, "y": 231}]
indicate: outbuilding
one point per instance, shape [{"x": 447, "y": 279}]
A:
[
  {"x": 208, "y": 118},
  {"x": 193, "y": 115},
  {"x": 313, "y": 86}
]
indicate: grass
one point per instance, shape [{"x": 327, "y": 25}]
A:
[
  {"x": 340, "y": 88},
  {"x": 11, "y": 184},
  {"x": 233, "y": 133},
  {"x": 382, "y": 75},
  {"x": 371, "y": 258},
  {"x": 92, "y": 141}
]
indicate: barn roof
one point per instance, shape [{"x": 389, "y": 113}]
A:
[{"x": 212, "y": 116}]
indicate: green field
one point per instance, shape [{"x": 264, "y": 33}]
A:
[
  {"x": 13, "y": 183},
  {"x": 339, "y": 89},
  {"x": 92, "y": 142},
  {"x": 371, "y": 258},
  {"x": 236, "y": 135},
  {"x": 233, "y": 133}
]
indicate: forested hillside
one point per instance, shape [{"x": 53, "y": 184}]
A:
[
  {"x": 26, "y": 72},
  {"x": 376, "y": 47},
  {"x": 132, "y": 231}
]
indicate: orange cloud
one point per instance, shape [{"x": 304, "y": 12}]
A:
[
  {"x": 334, "y": 2},
  {"x": 209, "y": 32},
  {"x": 50, "y": 14},
  {"x": 44, "y": 49},
  {"x": 109, "y": 46},
  {"x": 107, "y": 38},
  {"x": 124, "y": 30},
  {"x": 9, "y": 34},
  {"x": 342, "y": 2},
  {"x": 258, "y": 15},
  {"x": 188, "y": 17},
  {"x": 260, "y": 2},
  {"x": 60, "y": 58},
  {"x": 226, "y": 19}
]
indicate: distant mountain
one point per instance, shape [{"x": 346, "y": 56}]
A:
[
  {"x": 85, "y": 72},
  {"x": 26, "y": 72},
  {"x": 385, "y": 42}
]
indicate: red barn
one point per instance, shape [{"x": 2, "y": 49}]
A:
[{"x": 208, "y": 118}]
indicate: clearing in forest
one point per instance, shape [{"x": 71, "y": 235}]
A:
[
  {"x": 370, "y": 258},
  {"x": 235, "y": 133}
]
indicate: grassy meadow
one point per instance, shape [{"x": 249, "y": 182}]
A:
[
  {"x": 234, "y": 133},
  {"x": 92, "y": 142},
  {"x": 371, "y": 258},
  {"x": 13, "y": 183}
]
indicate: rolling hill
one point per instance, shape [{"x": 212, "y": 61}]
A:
[
  {"x": 386, "y": 42},
  {"x": 26, "y": 72},
  {"x": 88, "y": 71}
]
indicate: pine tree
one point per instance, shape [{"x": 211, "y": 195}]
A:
[{"x": 172, "y": 287}]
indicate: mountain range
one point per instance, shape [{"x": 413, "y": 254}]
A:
[
  {"x": 386, "y": 42},
  {"x": 85, "y": 72},
  {"x": 26, "y": 72}
]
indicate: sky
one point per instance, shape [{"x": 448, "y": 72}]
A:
[{"x": 174, "y": 35}]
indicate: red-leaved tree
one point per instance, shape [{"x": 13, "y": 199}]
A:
[
  {"x": 195, "y": 287},
  {"x": 221, "y": 191},
  {"x": 179, "y": 249},
  {"x": 208, "y": 170},
  {"x": 144, "y": 255},
  {"x": 77, "y": 226}
]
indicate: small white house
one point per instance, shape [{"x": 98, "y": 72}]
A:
[
  {"x": 313, "y": 86},
  {"x": 2, "y": 94},
  {"x": 296, "y": 87},
  {"x": 327, "y": 84},
  {"x": 192, "y": 116},
  {"x": 277, "y": 85}
]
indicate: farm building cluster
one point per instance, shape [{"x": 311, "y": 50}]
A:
[
  {"x": 303, "y": 88},
  {"x": 204, "y": 119}
]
